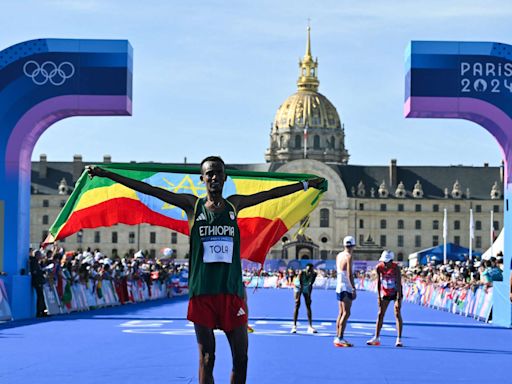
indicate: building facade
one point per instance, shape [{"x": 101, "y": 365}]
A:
[{"x": 391, "y": 206}]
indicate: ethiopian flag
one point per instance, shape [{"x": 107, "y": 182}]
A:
[{"x": 101, "y": 202}]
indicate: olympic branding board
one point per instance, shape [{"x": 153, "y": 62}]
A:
[{"x": 471, "y": 81}]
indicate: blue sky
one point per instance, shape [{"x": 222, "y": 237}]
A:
[{"x": 210, "y": 75}]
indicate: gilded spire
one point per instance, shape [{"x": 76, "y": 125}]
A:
[{"x": 308, "y": 69}]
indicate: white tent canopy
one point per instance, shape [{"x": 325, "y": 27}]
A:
[{"x": 496, "y": 247}]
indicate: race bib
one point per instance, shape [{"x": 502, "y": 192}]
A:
[
  {"x": 388, "y": 283},
  {"x": 218, "y": 249}
]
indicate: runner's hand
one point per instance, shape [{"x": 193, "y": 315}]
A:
[
  {"x": 93, "y": 170},
  {"x": 318, "y": 183}
]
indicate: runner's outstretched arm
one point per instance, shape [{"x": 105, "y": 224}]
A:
[
  {"x": 181, "y": 200},
  {"x": 244, "y": 201}
]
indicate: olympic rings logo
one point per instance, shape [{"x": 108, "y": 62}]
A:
[{"x": 48, "y": 72}]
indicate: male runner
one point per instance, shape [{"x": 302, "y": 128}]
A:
[
  {"x": 345, "y": 290},
  {"x": 304, "y": 286},
  {"x": 215, "y": 280},
  {"x": 389, "y": 287}
]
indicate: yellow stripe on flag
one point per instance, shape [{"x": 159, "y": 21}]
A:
[
  {"x": 99, "y": 195},
  {"x": 287, "y": 208}
]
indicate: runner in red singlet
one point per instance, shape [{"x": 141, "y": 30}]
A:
[{"x": 389, "y": 287}]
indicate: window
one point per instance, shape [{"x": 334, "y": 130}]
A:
[
  {"x": 383, "y": 207},
  {"x": 400, "y": 207},
  {"x": 478, "y": 241},
  {"x": 298, "y": 142},
  {"x": 435, "y": 224},
  {"x": 400, "y": 241},
  {"x": 456, "y": 208},
  {"x": 114, "y": 237},
  {"x": 361, "y": 206},
  {"x": 316, "y": 142},
  {"x": 400, "y": 224},
  {"x": 478, "y": 208},
  {"x": 478, "y": 225},
  {"x": 456, "y": 224},
  {"x": 417, "y": 241},
  {"x": 383, "y": 224},
  {"x": 435, "y": 241},
  {"x": 496, "y": 225},
  {"x": 417, "y": 208},
  {"x": 324, "y": 239},
  {"x": 79, "y": 237},
  {"x": 361, "y": 239},
  {"x": 435, "y": 208},
  {"x": 152, "y": 253},
  {"x": 131, "y": 238},
  {"x": 324, "y": 218},
  {"x": 382, "y": 240},
  {"x": 417, "y": 224},
  {"x": 174, "y": 238},
  {"x": 456, "y": 240},
  {"x": 97, "y": 237},
  {"x": 152, "y": 237},
  {"x": 46, "y": 203},
  {"x": 45, "y": 219},
  {"x": 495, "y": 208},
  {"x": 324, "y": 254},
  {"x": 361, "y": 223}
]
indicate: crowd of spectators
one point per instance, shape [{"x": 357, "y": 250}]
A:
[{"x": 61, "y": 269}]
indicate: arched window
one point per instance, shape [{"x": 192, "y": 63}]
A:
[
  {"x": 298, "y": 142},
  {"x": 316, "y": 142},
  {"x": 400, "y": 224},
  {"x": 383, "y": 224},
  {"x": 417, "y": 224},
  {"x": 324, "y": 218},
  {"x": 435, "y": 224}
]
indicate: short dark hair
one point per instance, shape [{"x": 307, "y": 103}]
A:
[{"x": 216, "y": 159}]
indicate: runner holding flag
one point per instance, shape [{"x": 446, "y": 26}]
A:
[{"x": 215, "y": 282}]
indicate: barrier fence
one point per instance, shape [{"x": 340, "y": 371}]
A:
[
  {"x": 93, "y": 294},
  {"x": 5, "y": 310},
  {"x": 473, "y": 302}
]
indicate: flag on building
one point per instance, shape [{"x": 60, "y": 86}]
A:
[{"x": 101, "y": 202}]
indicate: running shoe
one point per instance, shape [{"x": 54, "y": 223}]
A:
[
  {"x": 294, "y": 329},
  {"x": 312, "y": 330},
  {"x": 342, "y": 343},
  {"x": 399, "y": 343},
  {"x": 373, "y": 341},
  {"x": 250, "y": 329}
]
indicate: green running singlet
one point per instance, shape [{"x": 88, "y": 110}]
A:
[{"x": 215, "y": 265}]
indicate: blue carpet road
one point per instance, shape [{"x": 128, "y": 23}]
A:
[{"x": 153, "y": 343}]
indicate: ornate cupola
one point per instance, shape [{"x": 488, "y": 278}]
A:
[{"x": 307, "y": 125}]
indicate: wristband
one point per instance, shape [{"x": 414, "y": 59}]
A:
[{"x": 305, "y": 184}]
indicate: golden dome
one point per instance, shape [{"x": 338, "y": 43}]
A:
[
  {"x": 307, "y": 124},
  {"x": 307, "y": 107}
]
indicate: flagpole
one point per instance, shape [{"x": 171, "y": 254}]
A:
[
  {"x": 445, "y": 235},
  {"x": 491, "y": 232},
  {"x": 471, "y": 234}
]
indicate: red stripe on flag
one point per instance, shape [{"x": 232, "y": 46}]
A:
[
  {"x": 120, "y": 210},
  {"x": 258, "y": 235}
]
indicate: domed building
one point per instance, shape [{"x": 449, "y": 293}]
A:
[{"x": 307, "y": 125}]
